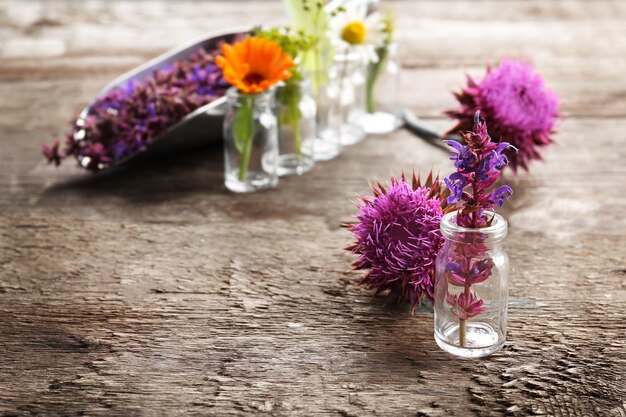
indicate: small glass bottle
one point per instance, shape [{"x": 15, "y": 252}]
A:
[
  {"x": 327, "y": 142},
  {"x": 250, "y": 142},
  {"x": 296, "y": 112},
  {"x": 382, "y": 113},
  {"x": 471, "y": 288},
  {"x": 346, "y": 87}
]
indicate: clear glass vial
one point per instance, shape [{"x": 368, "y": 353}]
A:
[
  {"x": 382, "y": 113},
  {"x": 326, "y": 144},
  {"x": 347, "y": 88},
  {"x": 250, "y": 142},
  {"x": 296, "y": 112},
  {"x": 471, "y": 288}
]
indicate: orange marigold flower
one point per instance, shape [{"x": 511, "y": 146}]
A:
[{"x": 254, "y": 64}]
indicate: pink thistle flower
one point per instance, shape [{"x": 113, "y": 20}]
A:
[
  {"x": 516, "y": 104},
  {"x": 465, "y": 305},
  {"x": 398, "y": 238}
]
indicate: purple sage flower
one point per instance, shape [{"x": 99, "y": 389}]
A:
[
  {"x": 465, "y": 306},
  {"x": 500, "y": 195},
  {"x": 456, "y": 182},
  {"x": 478, "y": 177}
]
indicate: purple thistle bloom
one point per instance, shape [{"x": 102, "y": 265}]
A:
[
  {"x": 516, "y": 104},
  {"x": 398, "y": 238}
]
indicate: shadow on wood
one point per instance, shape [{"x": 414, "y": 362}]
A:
[{"x": 175, "y": 175}]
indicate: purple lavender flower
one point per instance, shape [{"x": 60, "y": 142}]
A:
[
  {"x": 398, "y": 238},
  {"x": 516, "y": 104}
]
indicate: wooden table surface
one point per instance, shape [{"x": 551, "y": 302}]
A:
[{"x": 152, "y": 291}]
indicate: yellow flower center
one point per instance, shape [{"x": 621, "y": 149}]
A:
[{"x": 354, "y": 33}]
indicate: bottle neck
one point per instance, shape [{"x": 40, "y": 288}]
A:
[
  {"x": 260, "y": 101},
  {"x": 492, "y": 234}
]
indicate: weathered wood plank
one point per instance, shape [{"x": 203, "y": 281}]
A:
[{"x": 151, "y": 291}]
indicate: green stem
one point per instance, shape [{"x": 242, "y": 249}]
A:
[
  {"x": 344, "y": 70},
  {"x": 317, "y": 53},
  {"x": 373, "y": 72},
  {"x": 248, "y": 139},
  {"x": 297, "y": 139},
  {"x": 462, "y": 326},
  {"x": 317, "y": 69},
  {"x": 288, "y": 97},
  {"x": 317, "y": 89},
  {"x": 462, "y": 336},
  {"x": 371, "y": 105}
]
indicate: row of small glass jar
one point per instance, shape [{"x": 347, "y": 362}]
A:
[{"x": 332, "y": 109}]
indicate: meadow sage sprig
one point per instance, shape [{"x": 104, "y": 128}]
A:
[{"x": 479, "y": 164}]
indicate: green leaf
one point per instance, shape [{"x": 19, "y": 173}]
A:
[{"x": 242, "y": 124}]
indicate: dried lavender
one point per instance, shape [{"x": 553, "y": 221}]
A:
[{"x": 127, "y": 119}]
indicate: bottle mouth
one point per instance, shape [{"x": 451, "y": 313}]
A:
[
  {"x": 491, "y": 234},
  {"x": 234, "y": 93}
]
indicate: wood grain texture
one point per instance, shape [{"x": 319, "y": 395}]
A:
[{"x": 150, "y": 290}]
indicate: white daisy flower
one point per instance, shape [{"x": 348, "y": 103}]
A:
[{"x": 352, "y": 27}]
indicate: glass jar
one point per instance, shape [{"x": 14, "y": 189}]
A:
[
  {"x": 382, "y": 113},
  {"x": 471, "y": 288},
  {"x": 326, "y": 143},
  {"x": 250, "y": 142},
  {"x": 347, "y": 88},
  {"x": 296, "y": 128}
]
